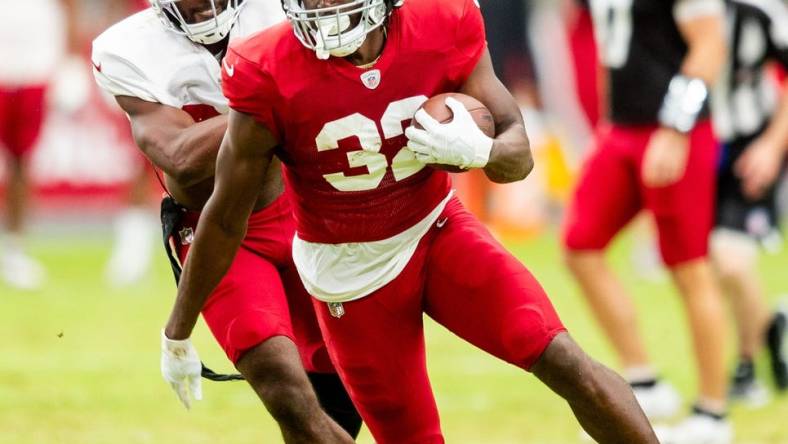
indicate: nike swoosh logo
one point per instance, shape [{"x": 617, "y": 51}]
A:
[
  {"x": 230, "y": 69},
  {"x": 97, "y": 66},
  {"x": 441, "y": 222}
]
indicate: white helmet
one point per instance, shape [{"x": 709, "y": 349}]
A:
[
  {"x": 327, "y": 30},
  {"x": 206, "y": 32}
]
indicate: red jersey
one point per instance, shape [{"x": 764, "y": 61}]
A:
[{"x": 341, "y": 127}]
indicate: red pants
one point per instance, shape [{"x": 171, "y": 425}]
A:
[
  {"x": 21, "y": 117},
  {"x": 261, "y": 295},
  {"x": 461, "y": 277},
  {"x": 611, "y": 192}
]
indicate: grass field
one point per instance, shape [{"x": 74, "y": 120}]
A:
[{"x": 79, "y": 363}]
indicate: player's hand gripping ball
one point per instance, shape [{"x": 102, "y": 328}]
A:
[{"x": 452, "y": 132}]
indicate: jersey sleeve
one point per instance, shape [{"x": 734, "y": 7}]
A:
[
  {"x": 119, "y": 76},
  {"x": 250, "y": 90},
  {"x": 470, "y": 42}
]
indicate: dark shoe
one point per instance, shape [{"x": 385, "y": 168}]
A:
[
  {"x": 776, "y": 342},
  {"x": 745, "y": 388}
]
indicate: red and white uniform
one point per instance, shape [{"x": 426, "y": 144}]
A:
[
  {"x": 355, "y": 186},
  {"x": 642, "y": 49},
  {"x": 31, "y": 45},
  {"x": 359, "y": 195},
  {"x": 139, "y": 57}
]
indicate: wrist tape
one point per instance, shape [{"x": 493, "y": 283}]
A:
[{"x": 683, "y": 103}]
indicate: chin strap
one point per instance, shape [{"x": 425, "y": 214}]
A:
[{"x": 219, "y": 377}]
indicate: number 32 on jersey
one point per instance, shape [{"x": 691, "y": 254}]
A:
[
  {"x": 613, "y": 29},
  {"x": 404, "y": 163}
]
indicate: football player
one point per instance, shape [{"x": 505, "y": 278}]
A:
[
  {"x": 32, "y": 43},
  {"x": 658, "y": 153},
  {"x": 163, "y": 67},
  {"x": 380, "y": 238},
  {"x": 753, "y": 128}
]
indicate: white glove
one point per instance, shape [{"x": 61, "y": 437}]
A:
[
  {"x": 181, "y": 367},
  {"x": 460, "y": 142}
]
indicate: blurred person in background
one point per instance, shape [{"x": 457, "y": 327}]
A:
[
  {"x": 135, "y": 224},
  {"x": 751, "y": 119},
  {"x": 162, "y": 65},
  {"x": 33, "y": 40},
  {"x": 659, "y": 154}
]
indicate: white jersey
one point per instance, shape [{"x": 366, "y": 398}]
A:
[
  {"x": 747, "y": 96},
  {"x": 32, "y": 41},
  {"x": 140, "y": 57}
]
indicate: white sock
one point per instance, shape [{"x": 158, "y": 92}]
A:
[
  {"x": 714, "y": 406},
  {"x": 641, "y": 373}
]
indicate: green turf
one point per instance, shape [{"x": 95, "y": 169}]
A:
[{"x": 79, "y": 363}]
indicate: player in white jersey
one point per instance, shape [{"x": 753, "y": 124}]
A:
[
  {"x": 751, "y": 119},
  {"x": 32, "y": 41},
  {"x": 163, "y": 67}
]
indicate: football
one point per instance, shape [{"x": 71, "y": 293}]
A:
[{"x": 436, "y": 107}]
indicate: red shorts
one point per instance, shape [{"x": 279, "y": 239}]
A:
[
  {"x": 611, "y": 192},
  {"x": 465, "y": 280},
  {"x": 21, "y": 117},
  {"x": 261, "y": 295}
]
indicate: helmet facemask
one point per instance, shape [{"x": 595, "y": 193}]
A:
[
  {"x": 336, "y": 30},
  {"x": 206, "y": 32}
]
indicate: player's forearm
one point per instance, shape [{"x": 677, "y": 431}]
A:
[
  {"x": 195, "y": 148},
  {"x": 240, "y": 173},
  {"x": 707, "y": 48},
  {"x": 510, "y": 157},
  {"x": 210, "y": 257}
]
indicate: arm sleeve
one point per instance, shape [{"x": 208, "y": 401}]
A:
[
  {"x": 250, "y": 90},
  {"x": 469, "y": 40},
  {"x": 120, "y": 77}
]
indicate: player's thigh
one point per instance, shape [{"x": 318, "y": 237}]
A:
[
  {"x": 377, "y": 346},
  {"x": 24, "y": 119},
  {"x": 606, "y": 197},
  {"x": 248, "y": 306},
  {"x": 684, "y": 211},
  {"x": 482, "y": 293}
]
